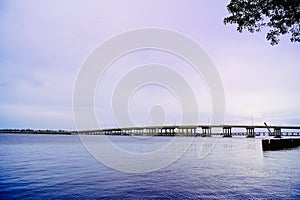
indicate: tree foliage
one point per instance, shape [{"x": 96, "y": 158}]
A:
[{"x": 279, "y": 16}]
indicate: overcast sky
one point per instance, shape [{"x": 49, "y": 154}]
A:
[{"x": 44, "y": 43}]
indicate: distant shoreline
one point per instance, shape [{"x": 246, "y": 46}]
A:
[{"x": 31, "y": 131}]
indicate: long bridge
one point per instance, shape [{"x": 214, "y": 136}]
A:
[{"x": 197, "y": 130}]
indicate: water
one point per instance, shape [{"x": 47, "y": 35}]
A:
[{"x": 59, "y": 167}]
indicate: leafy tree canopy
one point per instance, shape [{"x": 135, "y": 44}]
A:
[{"x": 279, "y": 16}]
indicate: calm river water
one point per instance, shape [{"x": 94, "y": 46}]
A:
[{"x": 59, "y": 167}]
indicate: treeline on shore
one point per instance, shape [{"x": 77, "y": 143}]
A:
[{"x": 31, "y": 131}]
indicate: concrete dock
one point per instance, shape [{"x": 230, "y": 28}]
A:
[{"x": 280, "y": 143}]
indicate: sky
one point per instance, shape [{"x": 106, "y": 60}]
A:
[{"x": 44, "y": 44}]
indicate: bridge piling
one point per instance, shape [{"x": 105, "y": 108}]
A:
[
  {"x": 227, "y": 132},
  {"x": 250, "y": 132},
  {"x": 206, "y": 131},
  {"x": 277, "y": 132}
]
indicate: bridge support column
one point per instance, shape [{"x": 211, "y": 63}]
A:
[
  {"x": 206, "y": 131},
  {"x": 193, "y": 132},
  {"x": 180, "y": 131},
  {"x": 173, "y": 131},
  {"x": 186, "y": 131},
  {"x": 277, "y": 132},
  {"x": 227, "y": 132},
  {"x": 157, "y": 131},
  {"x": 250, "y": 132},
  {"x": 167, "y": 131},
  {"x": 153, "y": 131}
]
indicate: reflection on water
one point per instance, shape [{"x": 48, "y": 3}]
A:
[{"x": 51, "y": 166}]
